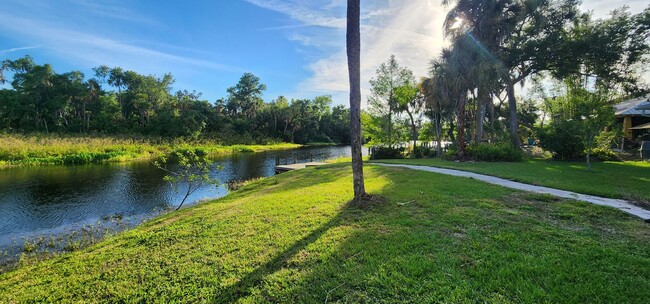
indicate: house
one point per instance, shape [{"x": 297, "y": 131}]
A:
[{"x": 634, "y": 114}]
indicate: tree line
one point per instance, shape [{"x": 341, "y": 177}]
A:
[
  {"x": 117, "y": 101},
  {"x": 469, "y": 96}
]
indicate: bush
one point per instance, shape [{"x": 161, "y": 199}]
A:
[
  {"x": 561, "y": 140},
  {"x": 420, "y": 152},
  {"x": 497, "y": 152},
  {"x": 604, "y": 155},
  {"x": 387, "y": 153},
  {"x": 451, "y": 152}
]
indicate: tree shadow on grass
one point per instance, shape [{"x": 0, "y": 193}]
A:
[
  {"x": 294, "y": 180},
  {"x": 248, "y": 283}
]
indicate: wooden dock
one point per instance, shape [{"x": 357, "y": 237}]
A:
[{"x": 285, "y": 168}]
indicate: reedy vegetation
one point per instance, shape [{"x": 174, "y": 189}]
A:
[{"x": 49, "y": 149}]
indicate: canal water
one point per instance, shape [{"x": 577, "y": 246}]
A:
[{"x": 50, "y": 200}]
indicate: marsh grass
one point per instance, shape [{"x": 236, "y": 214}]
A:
[
  {"x": 38, "y": 248},
  {"x": 51, "y": 149}
]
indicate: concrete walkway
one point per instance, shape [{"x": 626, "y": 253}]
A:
[{"x": 622, "y": 205}]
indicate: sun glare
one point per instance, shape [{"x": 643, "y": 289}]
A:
[{"x": 458, "y": 23}]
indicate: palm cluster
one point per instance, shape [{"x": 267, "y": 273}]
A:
[{"x": 494, "y": 45}]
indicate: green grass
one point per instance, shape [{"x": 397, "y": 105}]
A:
[
  {"x": 294, "y": 238},
  {"x": 628, "y": 180},
  {"x": 48, "y": 150}
]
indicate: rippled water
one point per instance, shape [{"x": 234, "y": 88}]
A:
[{"x": 37, "y": 201}]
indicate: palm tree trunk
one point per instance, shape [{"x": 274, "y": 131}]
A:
[
  {"x": 353, "y": 39},
  {"x": 492, "y": 122},
  {"x": 480, "y": 115},
  {"x": 437, "y": 122},
  {"x": 514, "y": 123},
  {"x": 461, "y": 125},
  {"x": 450, "y": 132}
]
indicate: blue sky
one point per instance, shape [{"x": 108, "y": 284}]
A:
[{"x": 297, "y": 47}]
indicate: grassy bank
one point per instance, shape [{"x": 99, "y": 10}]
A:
[
  {"x": 43, "y": 150},
  {"x": 294, "y": 238},
  {"x": 627, "y": 180}
]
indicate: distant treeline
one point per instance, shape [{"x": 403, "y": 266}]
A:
[{"x": 115, "y": 101}]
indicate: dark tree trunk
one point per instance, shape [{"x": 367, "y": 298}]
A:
[
  {"x": 492, "y": 122},
  {"x": 480, "y": 115},
  {"x": 414, "y": 132},
  {"x": 438, "y": 124},
  {"x": 286, "y": 125},
  {"x": 450, "y": 132},
  {"x": 85, "y": 115},
  {"x": 514, "y": 122},
  {"x": 353, "y": 39},
  {"x": 461, "y": 125},
  {"x": 390, "y": 125}
]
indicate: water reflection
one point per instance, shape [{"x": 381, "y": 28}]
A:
[{"x": 45, "y": 200}]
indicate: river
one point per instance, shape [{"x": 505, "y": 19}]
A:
[{"x": 49, "y": 200}]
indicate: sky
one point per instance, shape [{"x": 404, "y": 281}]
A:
[{"x": 296, "y": 47}]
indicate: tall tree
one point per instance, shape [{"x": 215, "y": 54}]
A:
[
  {"x": 410, "y": 100},
  {"x": 246, "y": 96},
  {"x": 525, "y": 35},
  {"x": 383, "y": 102},
  {"x": 353, "y": 39}
]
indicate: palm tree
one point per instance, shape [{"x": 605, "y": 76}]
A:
[
  {"x": 436, "y": 91},
  {"x": 454, "y": 74},
  {"x": 353, "y": 39},
  {"x": 478, "y": 28},
  {"x": 523, "y": 35}
]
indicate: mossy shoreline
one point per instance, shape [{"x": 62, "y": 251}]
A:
[{"x": 52, "y": 150}]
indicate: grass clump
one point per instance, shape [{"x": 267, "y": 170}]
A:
[
  {"x": 295, "y": 238},
  {"x": 235, "y": 185}
]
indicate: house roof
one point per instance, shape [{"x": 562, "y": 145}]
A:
[{"x": 634, "y": 107}]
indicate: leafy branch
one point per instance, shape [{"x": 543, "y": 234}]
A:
[{"x": 191, "y": 170}]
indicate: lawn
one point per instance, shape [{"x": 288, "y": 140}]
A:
[
  {"x": 627, "y": 180},
  {"x": 294, "y": 238}
]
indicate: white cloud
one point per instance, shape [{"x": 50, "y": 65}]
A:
[
  {"x": 94, "y": 49},
  {"x": 19, "y": 49},
  {"x": 601, "y": 8},
  {"x": 301, "y": 12},
  {"x": 411, "y": 31}
]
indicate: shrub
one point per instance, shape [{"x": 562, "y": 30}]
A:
[
  {"x": 497, "y": 152},
  {"x": 562, "y": 140},
  {"x": 604, "y": 155},
  {"x": 420, "y": 152},
  {"x": 451, "y": 152},
  {"x": 387, "y": 153}
]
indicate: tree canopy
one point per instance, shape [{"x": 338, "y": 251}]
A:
[{"x": 118, "y": 101}]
